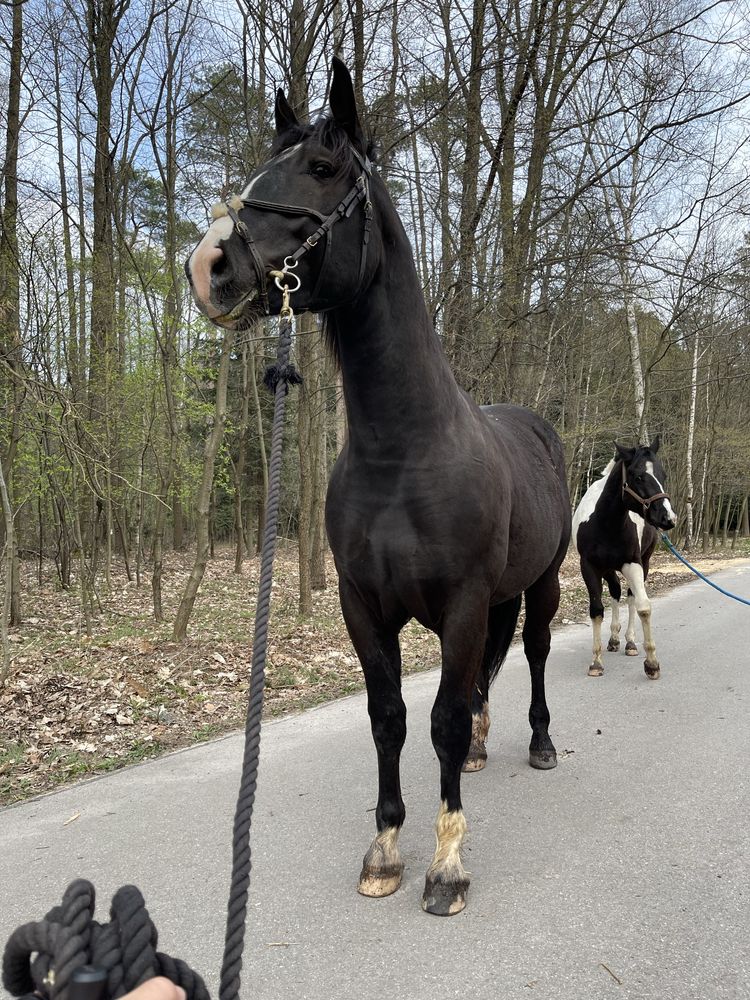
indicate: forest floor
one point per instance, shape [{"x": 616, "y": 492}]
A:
[{"x": 77, "y": 705}]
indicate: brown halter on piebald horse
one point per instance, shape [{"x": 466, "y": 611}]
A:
[{"x": 644, "y": 502}]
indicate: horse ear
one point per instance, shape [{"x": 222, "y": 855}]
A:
[
  {"x": 285, "y": 117},
  {"x": 626, "y": 454},
  {"x": 654, "y": 446},
  {"x": 342, "y": 101}
]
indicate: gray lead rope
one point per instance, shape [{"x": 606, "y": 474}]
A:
[{"x": 278, "y": 378}]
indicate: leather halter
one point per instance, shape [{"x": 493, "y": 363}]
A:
[
  {"x": 645, "y": 503},
  {"x": 360, "y": 192}
]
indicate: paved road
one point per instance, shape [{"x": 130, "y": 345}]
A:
[{"x": 630, "y": 857}]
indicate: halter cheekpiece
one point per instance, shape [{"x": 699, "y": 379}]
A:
[
  {"x": 360, "y": 192},
  {"x": 645, "y": 503}
]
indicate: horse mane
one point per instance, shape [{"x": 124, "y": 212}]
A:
[{"x": 606, "y": 471}]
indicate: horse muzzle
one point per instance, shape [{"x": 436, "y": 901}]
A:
[
  {"x": 661, "y": 515},
  {"x": 213, "y": 289}
]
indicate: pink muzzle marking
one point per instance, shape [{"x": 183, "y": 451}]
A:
[{"x": 201, "y": 267}]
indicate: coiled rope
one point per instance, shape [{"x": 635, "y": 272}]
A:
[
  {"x": 726, "y": 593},
  {"x": 69, "y": 937},
  {"x": 125, "y": 948}
]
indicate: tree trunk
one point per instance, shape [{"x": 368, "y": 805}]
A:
[
  {"x": 239, "y": 464},
  {"x": 8, "y": 553},
  {"x": 690, "y": 442},
  {"x": 203, "y": 500},
  {"x": 11, "y": 383}
]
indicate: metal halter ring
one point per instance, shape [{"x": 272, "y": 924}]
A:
[{"x": 281, "y": 277}]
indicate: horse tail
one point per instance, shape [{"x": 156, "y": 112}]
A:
[{"x": 501, "y": 628}]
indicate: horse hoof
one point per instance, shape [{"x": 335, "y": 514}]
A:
[
  {"x": 652, "y": 669},
  {"x": 444, "y": 899},
  {"x": 475, "y": 760},
  {"x": 596, "y": 670},
  {"x": 380, "y": 883},
  {"x": 543, "y": 760},
  {"x": 630, "y": 648},
  {"x": 613, "y": 645}
]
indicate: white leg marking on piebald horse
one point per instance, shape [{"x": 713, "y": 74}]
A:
[
  {"x": 630, "y": 631},
  {"x": 597, "y": 626},
  {"x": 633, "y": 573}
]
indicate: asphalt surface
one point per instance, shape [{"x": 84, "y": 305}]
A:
[{"x": 622, "y": 873}]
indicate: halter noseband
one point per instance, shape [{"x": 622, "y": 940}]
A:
[
  {"x": 360, "y": 192},
  {"x": 644, "y": 503}
]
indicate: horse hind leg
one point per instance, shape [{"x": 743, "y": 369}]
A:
[
  {"x": 615, "y": 592},
  {"x": 501, "y": 625},
  {"x": 542, "y": 601},
  {"x": 593, "y": 581}
]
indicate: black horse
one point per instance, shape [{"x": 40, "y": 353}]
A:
[
  {"x": 615, "y": 529},
  {"x": 437, "y": 510}
]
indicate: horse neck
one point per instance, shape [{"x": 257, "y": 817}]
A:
[
  {"x": 612, "y": 503},
  {"x": 398, "y": 386}
]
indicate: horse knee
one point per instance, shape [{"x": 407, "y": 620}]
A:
[
  {"x": 596, "y": 609},
  {"x": 451, "y": 725},
  {"x": 388, "y": 723},
  {"x": 644, "y": 611}
]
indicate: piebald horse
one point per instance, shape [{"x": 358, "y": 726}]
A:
[
  {"x": 437, "y": 509},
  {"x": 615, "y": 529}
]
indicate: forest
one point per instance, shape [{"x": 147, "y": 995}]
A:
[{"x": 573, "y": 175}]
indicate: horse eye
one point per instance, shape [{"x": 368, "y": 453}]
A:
[{"x": 322, "y": 170}]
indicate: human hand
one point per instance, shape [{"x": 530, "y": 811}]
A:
[{"x": 158, "y": 988}]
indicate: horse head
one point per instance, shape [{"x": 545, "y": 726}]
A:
[
  {"x": 303, "y": 221},
  {"x": 643, "y": 484}
]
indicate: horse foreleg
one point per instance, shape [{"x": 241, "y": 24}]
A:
[
  {"x": 462, "y": 639},
  {"x": 633, "y": 573},
  {"x": 631, "y": 648},
  {"x": 542, "y": 601},
  {"x": 615, "y": 592},
  {"x": 593, "y": 580},
  {"x": 380, "y": 655}
]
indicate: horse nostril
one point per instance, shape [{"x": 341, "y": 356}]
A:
[{"x": 219, "y": 266}]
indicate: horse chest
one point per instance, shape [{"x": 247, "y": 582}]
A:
[
  {"x": 406, "y": 526},
  {"x": 610, "y": 546}
]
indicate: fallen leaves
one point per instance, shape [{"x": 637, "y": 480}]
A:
[{"x": 76, "y": 705}]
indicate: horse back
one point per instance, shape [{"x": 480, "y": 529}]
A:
[{"x": 535, "y": 450}]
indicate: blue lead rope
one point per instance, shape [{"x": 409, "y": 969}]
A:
[{"x": 705, "y": 579}]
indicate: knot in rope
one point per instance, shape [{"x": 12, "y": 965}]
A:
[
  {"x": 287, "y": 374},
  {"x": 69, "y": 937}
]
